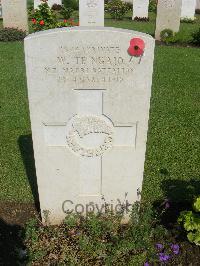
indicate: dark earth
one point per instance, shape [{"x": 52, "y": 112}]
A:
[{"x": 13, "y": 217}]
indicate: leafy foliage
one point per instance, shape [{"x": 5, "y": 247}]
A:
[
  {"x": 141, "y": 19},
  {"x": 56, "y": 7},
  {"x": 153, "y": 6},
  {"x": 44, "y": 18},
  {"x": 167, "y": 36},
  {"x": 11, "y": 34},
  {"x": 191, "y": 222},
  {"x": 117, "y": 9},
  {"x": 187, "y": 20},
  {"x": 66, "y": 12},
  {"x": 196, "y": 37},
  {"x": 96, "y": 239},
  {"x": 73, "y": 4}
]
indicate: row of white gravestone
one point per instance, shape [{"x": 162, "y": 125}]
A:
[
  {"x": 140, "y": 8},
  {"x": 91, "y": 12}
]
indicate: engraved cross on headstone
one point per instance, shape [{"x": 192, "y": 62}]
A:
[{"x": 89, "y": 134}]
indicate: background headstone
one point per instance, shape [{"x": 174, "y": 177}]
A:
[
  {"x": 50, "y": 3},
  {"x": 168, "y": 16},
  {"x": 89, "y": 107},
  {"x": 91, "y": 12},
  {"x": 198, "y": 4},
  {"x": 15, "y": 14},
  {"x": 140, "y": 8},
  {"x": 188, "y": 9}
]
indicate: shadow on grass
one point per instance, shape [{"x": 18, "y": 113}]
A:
[
  {"x": 179, "y": 195},
  {"x": 11, "y": 244},
  {"x": 26, "y": 148}
]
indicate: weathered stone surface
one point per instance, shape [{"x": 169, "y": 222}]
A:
[
  {"x": 15, "y": 14},
  {"x": 50, "y": 3},
  {"x": 91, "y": 12},
  {"x": 140, "y": 8},
  {"x": 188, "y": 9},
  {"x": 89, "y": 106},
  {"x": 168, "y": 16},
  {"x": 198, "y": 4}
]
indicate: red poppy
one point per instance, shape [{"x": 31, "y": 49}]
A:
[
  {"x": 42, "y": 22},
  {"x": 34, "y": 20},
  {"x": 136, "y": 47}
]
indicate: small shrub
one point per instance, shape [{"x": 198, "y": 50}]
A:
[
  {"x": 167, "y": 36},
  {"x": 44, "y": 18},
  {"x": 56, "y": 7},
  {"x": 153, "y": 6},
  {"x": 197, "y": 11},
  {"x": 73, "y": 4},
  {"x": 97, "y": 239},
  {"x": 11, "y": 34},
  {"x": 117, "y": 9},
  {"x": 188, "y": 20},
  {"x": 196, "y": 37},
  {"x": 191, "y": 222},
  {"x": 141, "y": 19},
  {"x": 66, "y": 12}
]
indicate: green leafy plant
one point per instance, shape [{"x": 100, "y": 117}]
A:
[
  {"x": 168, "y": 36},
  {"x": 66, "y": 12},
  {"x": 117, "y": 9},
  {"x": 188, "y": 20},
  {"x": 197, "y": 11},
  {"x": 153, "y": 6},
  {"x": 11, "y": 34},
  {"x": 191, "y": 222},
  {"x": 56, "y": 7},
  {"x": 141, "y": 19},
  {"x": 97, "y": 239},
  {"x": 196, "y": 37},
  {"x": 73, "y": 4},
  {"x": 44, "y": 18}
]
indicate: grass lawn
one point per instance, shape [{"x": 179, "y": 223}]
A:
[{"x": 173, "y": 141}]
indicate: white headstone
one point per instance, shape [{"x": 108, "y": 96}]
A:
[
  {"x": 50, "y": 3},
  {"x": 140, "y": 8},
  {"x": 89, "y": 107},
  {"x": 188, "y": 9},
  {"x": 198, "y": 4},
  {"x": 168, "y": 16},
  {"x": 15, "y": 14},
  {"x": 91, "y": 12}
]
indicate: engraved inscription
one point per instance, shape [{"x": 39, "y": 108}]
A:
[
  {"x": 91, "y": 64},
  {"x": 82, "y": 126},
  {"x": 169, "y": 3}
]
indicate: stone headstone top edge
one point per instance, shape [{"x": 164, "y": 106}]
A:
[{"x": 85, "y": 28}]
